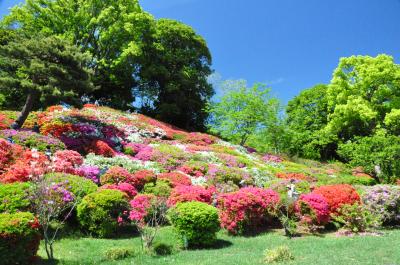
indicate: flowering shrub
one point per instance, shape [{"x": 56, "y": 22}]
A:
[
  {"x": 126, "y": 188},
  {"x": 144, "y": 153},
  {"x": 67, "y": 161},
  {"x": 355, "y": 218},
  {"x": 99, "y": 147},
  {"x": 294, "y": 176},
  {"x": 120, "y": 161},
  {"x": 246, "y": 208},
  {"x": 31, "y": 139},
  {"x": 19, "y": 238},
  {"x": 98, "y": 212},
  {"x": 190, "y": 193},
  {"x": 384, "y": 201},
  {"x": 175, "y": 178},
  {"x": 5, "y": 122},
  {"x": 116, "y": 175},
  {"x": 8, "y": 154},
  {"x": 313, "y": 209},
  {"x": 89, "y": 172},
  {"x": 272, "y": 158},
  {"x": 195, "y": 222},
  {"x": 141, "y": 177},
  {"x": 338, "y": 195},
  {"x": 195, "y": 169},
  {"x": 140, "y": 206},
  {"x": 160, "y": 188}
]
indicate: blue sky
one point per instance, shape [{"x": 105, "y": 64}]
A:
[{"x": 289, "y": 44}]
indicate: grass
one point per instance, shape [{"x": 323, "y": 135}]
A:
[{"x": 328, "y": 249}]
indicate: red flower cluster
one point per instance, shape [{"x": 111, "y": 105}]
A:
[
  {"x": 141, "y": 177},
  {"x": 246, "y": 208},
  {"x": 99, "y": 147},
  {"x": 175, "y": 178},
  {"x": 126, "y": 188},
  {"x": 67, "y": 161},
  {"x": 8, "y": 154},
  {"x": 190, "y": 193},
  {"x": 313, "y": 209},
  {"x": 5, "y": 122},
  {"x": 338, "y": 195},
  {"x": 116, "y": 175}
]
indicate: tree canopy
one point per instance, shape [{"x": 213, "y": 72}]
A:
[{"x": 45, "y": 70}]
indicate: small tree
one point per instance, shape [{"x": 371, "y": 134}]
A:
[
  {"x": 242, "y": 112},
  {"x": 44, "y": 71}
]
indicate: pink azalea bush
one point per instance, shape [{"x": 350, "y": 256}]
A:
[
  {"x": 190, "y": 193},
  {"x": 313, "y": 209},
  {"x": 126, "y": 188},
  {"x": 246, "y": 208}
]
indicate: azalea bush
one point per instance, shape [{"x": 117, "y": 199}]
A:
[
  {"x": 313, "y": 210},
  {"x": 384, "y": 201},
  {"x": 19, "y": 238},
  {"x": 190, "y": 193},
  {"x": 246, "y": 209},
  {"x": 195, "y": 222},
  {"x": 356, "y": 218},
  {"x": 338, "y": 195},
  {"x": 15, "y": 197},
  {"x": 116, "y": 175}
]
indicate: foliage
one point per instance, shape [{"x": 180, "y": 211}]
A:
[
  {"x": 160, "y": 188},
  {"x": 338, "y": 195},
  {"x": 173, "y": 76},
  {"x": 356, "y": 218},
  {"x": 175, "y": 178},
  {"x": 116, "y": 175},
  {"x": 14, "y": 197},
  {"x": 196, "y": 222},
  {"x": 98, "y": 212},
  {"x": 383, "y": 162},
  {"x": 44, "y": 70},
  {"x": 383, "y": 201},
  {"x": 242, "y": 112},
  {"x": 19, "y": 238},
  {"x": 278, "y": 254},
  {"x": 126, "y": 188},
  {"x": 118, "y": 253},
  {"x": 246, "y": 209},
  {"x": 162, "y": 249}
]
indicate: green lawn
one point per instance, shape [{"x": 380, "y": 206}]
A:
[{"x": 329, "y": 250}]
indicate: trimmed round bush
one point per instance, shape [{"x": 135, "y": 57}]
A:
[
  {"x": 197, "y": 223},
  {"x": 98, "y": 212},
  {"x": 79, "y": 186},
  {"x": 313, "y": 209},
  {"x": 161, "y": 188},
  {"x": 384, "y": 201},
  {"x": 14, "y": 197},
  {"x": 19, "y": 238},
  {"x": 190, "y": 193}
]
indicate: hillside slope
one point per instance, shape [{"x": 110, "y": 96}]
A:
[{"x": 107, "y": 138}]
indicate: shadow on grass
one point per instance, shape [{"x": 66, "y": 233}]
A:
[{"x": 219, "y": 244}]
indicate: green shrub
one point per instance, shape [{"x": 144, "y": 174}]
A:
[
  {"x": 116, "y": 253},
  {"x": 161, "y": 188},
  {"x": 356, "y": 218},
  {"x": 279, "y": 254},
  {"x": 162, "y": 249},
  {"x": 98, "y": 211},
  {"x": 19, "y": 238},
  {"x": 14, "y": 197},
  {"x": 78, "y": 185},
  {"x": 196, "y": 222}
]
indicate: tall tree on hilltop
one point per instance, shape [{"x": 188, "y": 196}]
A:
[
  {"x": 43, "y": 70},
  {"x": 173, "y": 74}
]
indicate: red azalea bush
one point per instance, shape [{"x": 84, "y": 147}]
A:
[
  {"x": 175, "y": 178},
  {"x": 116, "y": 175},
  {"x": 141, "y": 177},
  {"x": 8, "y": 154},
  {"x": 126, "y": 188},
  {"x": 67, "y": 161},
  {"x": 99, "y": 147},
  {"x": 313, "y": 209},
  {"x": 295, "y": 176},
  {"x": 190, "y": 193},
  {"x": 5, "y": 122},
  {"x": 246, "y": 208},
  {"x": 338, "y": 195}
]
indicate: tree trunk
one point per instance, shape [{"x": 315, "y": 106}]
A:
[{"x": 30, "y": 100}]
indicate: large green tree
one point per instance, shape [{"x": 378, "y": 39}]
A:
[
  {"x": 173, "y": 75},
  {"x": 243, "y": 112},
  {"x": 110, "y": 30},
  {"x": 43, "y": 71}
]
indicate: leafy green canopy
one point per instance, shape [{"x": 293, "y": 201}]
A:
[
  {"x": 43, "y": 70},
  {"x": 243, "y": 111},
  {"x": 173, "y": 75},
  {"x": 110, "y": 30}
]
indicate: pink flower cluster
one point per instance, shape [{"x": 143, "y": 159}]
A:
[
  {"x": 67, "y": 161},
  {"x": 190, "y": 193},
  {"x": 246, "y": 208},
  {"x": 126, "y": 188},
  {"x": 139, "y": 207},
  {"x": 313, "y": 209}
]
